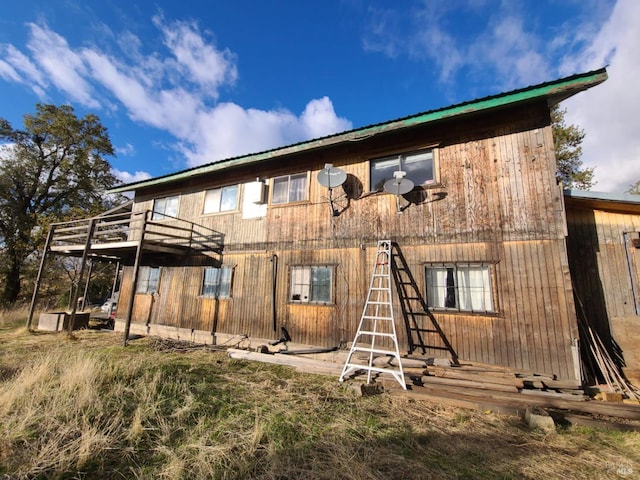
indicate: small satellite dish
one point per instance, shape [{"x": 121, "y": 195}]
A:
[
  {"x": 398, "y": 186},
  {"x": 331, "y": 176}
]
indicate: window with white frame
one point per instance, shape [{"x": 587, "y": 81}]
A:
[
  {"x": 311, "y": 284},
  {"x": 289, "y": 188},
  {"x": 216, "y": 282},
  {"x": 165, "y": 207},
  {"x": 148, "y": 280},
  {"x": 223, "y": 199},
  {"x": 464, "y": 287},
  {"x": 417, "y": 165}
]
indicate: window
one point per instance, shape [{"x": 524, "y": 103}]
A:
[
  {"x": 417, "y": 165},
  {"x": 165, "y": 207},
  {"x": 221, "y": 199},
  {"x": 289, "y": 188},
  {"x": 462, "y": 287},
  {"x": 148, "y": 279},
  {"x": 311, "y": 284},
  {"x": 216, "y": 282}
]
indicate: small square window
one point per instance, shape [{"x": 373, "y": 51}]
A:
[
  {"x": 221, "y": 199},
  {"x": 417, "y": 165},
  {"x": 148, "y": 280},
  {"x": 289, "y": 188},
  {"x": 460, "y": 287},
  {"x": 311, "y": 284},
  {"x": 216, "y": 282},
  {"x": 165, "y": 207}
]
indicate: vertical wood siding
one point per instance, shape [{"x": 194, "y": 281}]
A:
[{"x": 495, "y": 201}]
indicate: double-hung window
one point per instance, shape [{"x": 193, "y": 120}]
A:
[
  {"x": 148, "y": 280},
  {"x": 418, "y": 167},
  {"x": 312, "y": 284},
  {"x": 464, "y": 287},
  {"x": 223, "y": 199},
  {"x": 289, "y": 188},
  {"x": 216, "y": 282},
  {"x": 165, "y": 207}
]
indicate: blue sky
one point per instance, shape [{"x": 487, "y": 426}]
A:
[{"x": 179, "y": 84}]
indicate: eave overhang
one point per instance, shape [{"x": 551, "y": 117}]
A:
[{"x": 553, "y": 92}]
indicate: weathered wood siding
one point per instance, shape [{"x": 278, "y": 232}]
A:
[
  {"x": 495, "y": 201},
  {"x": 600, "y": 267}
]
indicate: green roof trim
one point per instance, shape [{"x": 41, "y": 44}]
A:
[{"x": 554, "y": 91}]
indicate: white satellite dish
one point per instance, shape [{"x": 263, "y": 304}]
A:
[
  {"x": 398, "y": 186},
  {"x": 331, "y": 177}
]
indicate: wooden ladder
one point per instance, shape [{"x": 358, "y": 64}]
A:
[
  {"x": 376, "y": 335},
  {"x": 423, "y": 331}
]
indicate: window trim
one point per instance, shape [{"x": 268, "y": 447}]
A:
[
  {"x": 217, "y": 295},
  {"x": 163, "y": 216},
  {"x": 288, "y": 202},
  {"x": 490, "y": 288},
  {"x": 310, "y": 267},
  {"x": 233, "y": 210},
  {"x": 434, "y": 165}
]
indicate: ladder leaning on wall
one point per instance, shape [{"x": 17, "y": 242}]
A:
[{"x": 376, "y": 336}]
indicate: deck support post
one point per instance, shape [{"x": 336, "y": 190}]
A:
[
  {"x": 134, "y": 282},
  {"x": 36, "y": 287},
  {"x": 85, "y": 253}
]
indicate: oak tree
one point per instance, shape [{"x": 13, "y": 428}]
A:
[{"x": 52, "y": 169}]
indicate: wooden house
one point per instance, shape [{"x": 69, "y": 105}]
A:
[{"x": 237, "y": 248}]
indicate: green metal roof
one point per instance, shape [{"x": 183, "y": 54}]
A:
[{"x": 554, "y": 92}]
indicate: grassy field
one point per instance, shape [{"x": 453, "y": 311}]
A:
[{"x": 86, "y": 407}]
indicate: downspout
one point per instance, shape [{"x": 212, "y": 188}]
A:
[{"x": 274, "y": 284}]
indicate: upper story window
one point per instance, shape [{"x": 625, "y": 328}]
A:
[
  {"x": 289, "y": 188},
  {"x": 311, "y": 284},
  {"x": 165, "y": 207},
  {"x": 148, "y": 280},
  {"x": 464, "y": 287},
  {"x": 417, "y": 165},
  {"x": 216, "y": 282},
  {"x": 223, "y": 199}
]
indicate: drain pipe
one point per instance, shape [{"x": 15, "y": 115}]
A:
[{"x": 274, "y": 284}]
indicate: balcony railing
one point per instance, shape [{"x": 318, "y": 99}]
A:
[{"x": 129, "y": 228}]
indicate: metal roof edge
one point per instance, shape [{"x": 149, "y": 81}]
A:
[
  {"x": 603, "y": 196},
  {"x": 556, "y": 90}
]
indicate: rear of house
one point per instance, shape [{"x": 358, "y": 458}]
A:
[{"x": 482, "y": 234}]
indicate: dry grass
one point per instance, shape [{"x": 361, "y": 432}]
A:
[{"x": 89, "y": 408}]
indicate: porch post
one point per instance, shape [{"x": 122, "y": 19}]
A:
[
  {"x": 85, "y": 254},
  {"x": 36, "y": 287},
  {"x": 134, "y": 283}
]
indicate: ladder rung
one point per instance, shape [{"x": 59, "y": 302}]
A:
[
  {"x": 380, "y": 289},
  {"x": 377, "y": 334},
  {"x": 373, "y": 350},
  {"x": 373, "y": 317},
  {"x": 372, "y": 302},
  {"x": 373, "y": 369}
]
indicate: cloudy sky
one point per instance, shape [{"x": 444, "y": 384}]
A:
[{"x": 179, "y": 84}]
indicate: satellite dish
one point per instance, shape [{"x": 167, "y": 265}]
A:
[
  {"x": 398, "y": 186},
  {"x": 331, "y": 176}
]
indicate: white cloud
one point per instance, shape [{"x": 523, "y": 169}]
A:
[
  {"x": 175, "y": 91},
  {"x": 608, "y": 113},
  {"x": 127, "y": 177},
  {"x": 61, "y": 65},
  {"x": 128, "y": 150}
]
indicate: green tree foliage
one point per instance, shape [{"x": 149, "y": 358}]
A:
[
  {"x": 635, "y": 188},
  {"x": 568, "y": 140},
  {"x": 53, "y": 169}
]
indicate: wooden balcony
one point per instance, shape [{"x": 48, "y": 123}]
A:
[{"x": 120, "y": 235}]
